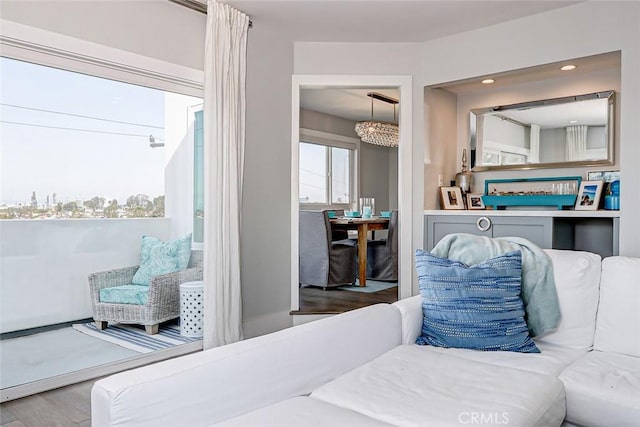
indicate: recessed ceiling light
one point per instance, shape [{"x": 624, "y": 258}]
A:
[
  {"x": 573, "y": 121},
  {"x": 568, "y": 67},
  {"x": 488, "y": 81}
]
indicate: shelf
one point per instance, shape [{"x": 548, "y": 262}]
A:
[{"x": 517, "y": 212}]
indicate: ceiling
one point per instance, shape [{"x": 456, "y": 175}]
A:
[
  {"x": 592, "y": 113},
  {"x": 378, "y": 21},
  {"x": 385, "y": 21},
  {"x": 352, "y": 104}
]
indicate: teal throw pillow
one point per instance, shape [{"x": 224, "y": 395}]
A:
[
  {"x": 475, "y": 307},
  {"x": 158, "y": 257}
]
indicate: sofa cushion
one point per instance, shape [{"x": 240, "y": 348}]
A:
[
  {"x": 618, "y": 325},
  {"x": 158, "y": 257},
  {"x": 476, "y": 307},
  {"x": 603, "y": 389},
  {"x": 125, "y": 294},
  {"x": 577, "y": 277},
  {"x": 302, "y": 411},
  {"x": 411, "y": 386},
  {"x": 551, "y": 360}
]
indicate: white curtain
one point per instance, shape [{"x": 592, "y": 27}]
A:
[
  {"x": 224, "y": 138},
  {"x": 576, "y": 147},
  {"x": 534, "y": 144}
]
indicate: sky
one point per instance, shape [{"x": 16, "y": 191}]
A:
[{"x": 76, "y": 164}]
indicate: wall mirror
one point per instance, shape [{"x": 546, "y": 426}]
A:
[{"x": 560, "y": 132}]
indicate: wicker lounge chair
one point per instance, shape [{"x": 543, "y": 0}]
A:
[{"x": 163, "y": 298}]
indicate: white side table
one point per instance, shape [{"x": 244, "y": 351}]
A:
[{"x": 191, "y": 309}]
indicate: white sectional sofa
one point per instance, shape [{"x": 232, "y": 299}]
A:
[{"x": 362, "y": 368}]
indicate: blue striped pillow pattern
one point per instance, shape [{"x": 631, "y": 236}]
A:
[{"x": 474, "y": 307}]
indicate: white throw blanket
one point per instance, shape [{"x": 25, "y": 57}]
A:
[{"x": 538, "y": 285}]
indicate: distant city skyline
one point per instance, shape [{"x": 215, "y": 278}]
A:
[{"x": 77, "y": 136}]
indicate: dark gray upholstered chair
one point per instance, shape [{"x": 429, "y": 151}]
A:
[
  {"x": 323, "y": 262},
  {"x": 382, "y": 255}
]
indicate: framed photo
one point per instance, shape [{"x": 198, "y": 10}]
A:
[
  {"x": 451, "y": 198},
  {"x": 606, "y": 176},
  {"x": 474, "y": 201},
  {"x": 589, "y": 195}
]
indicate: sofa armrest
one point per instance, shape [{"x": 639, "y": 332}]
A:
[
  {"x": 411, "y": 312},
  {"x": 217, "y": 384}
]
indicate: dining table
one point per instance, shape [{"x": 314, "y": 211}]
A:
[{"x": 363, "y": 226}]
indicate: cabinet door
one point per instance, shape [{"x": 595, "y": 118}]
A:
[
  {"x": 538, "y": 230},
  {"x": 438, "y": 226}
]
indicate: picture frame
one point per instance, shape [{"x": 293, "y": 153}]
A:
[
  {"x": 589, "y": 195},
  {"x": 607, "y": 177},
  {"x": 451, "y": 198},
  {"x": 474, "y": 201}
]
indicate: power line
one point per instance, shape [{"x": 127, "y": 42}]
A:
[
  {"x": 74, "y": 129},
  {"x": 80, "y": 115}
]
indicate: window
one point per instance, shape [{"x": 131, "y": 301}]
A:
[
  {"x": 326, "y": 174},
  {"x": 79, "y": 146}
]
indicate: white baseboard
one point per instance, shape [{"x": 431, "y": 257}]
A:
[{"x": 299, "y": 319}]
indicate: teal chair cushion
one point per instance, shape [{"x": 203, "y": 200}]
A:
[
  {"x": 158, "y": 257},
  {"x": 125, "y": 294}
]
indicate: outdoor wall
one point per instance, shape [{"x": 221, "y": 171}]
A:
[
  {"x": 45, "y": 265},
  {"x": 179, "y": 161}
]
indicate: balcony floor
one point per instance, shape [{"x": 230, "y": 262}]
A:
[{"x": 64, "y": 352}]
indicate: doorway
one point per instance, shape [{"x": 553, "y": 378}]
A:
[{"x": 387, "y": 186}]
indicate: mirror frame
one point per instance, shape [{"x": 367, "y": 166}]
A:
[{"x": 609, "y": 95}]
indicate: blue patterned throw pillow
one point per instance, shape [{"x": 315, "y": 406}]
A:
[
  {"x": 475, "y": 307},
  {"x": 158, "y": 257}
]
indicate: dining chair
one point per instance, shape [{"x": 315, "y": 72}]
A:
[
  {"x": 322, "y": 261},
  {"x": 382, "y": 255}
]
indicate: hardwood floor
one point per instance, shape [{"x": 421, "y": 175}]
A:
[
  {"x": 333, "y": 300},
  {"x": 67, "y": 406}
]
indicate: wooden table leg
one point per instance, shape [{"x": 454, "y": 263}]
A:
[{"x": 362, "y": 253}]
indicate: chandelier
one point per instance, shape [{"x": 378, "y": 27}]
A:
[{"x": 379, "y": 133}]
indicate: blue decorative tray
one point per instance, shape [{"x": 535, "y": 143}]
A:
[{"x": 500, "y": 193}]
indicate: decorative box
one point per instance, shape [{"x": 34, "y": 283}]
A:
[{"x": 558, "y": 192}]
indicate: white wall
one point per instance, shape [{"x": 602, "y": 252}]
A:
[
  {"x": 266, "y": 219},
  {"x": 376, "y": 59},
  {"x": 441, "y": 120},
  {"x": 157, "y": 29},
  {"x": 378, "y": 165},
  {"x": 179, "y": 161},
  {"x": 567, "y": 85},
  {"x": 44, "y": 264},
  {"x": 550, "y": 37}
]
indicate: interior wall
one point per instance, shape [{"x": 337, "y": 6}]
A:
[
  {"x": 569, "y": 32},
  {"x": 377, "y": 178},
  {"x": 442, "y": 133},
  {"x": 364, "y": 59},
  {"x": 550, "y": 88},
  {"x": 374, "y": 174},
  {"x": 266, "y": 202},
  {"x": 315, "y": 120},
  {"x": 157, "y": 29}
]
